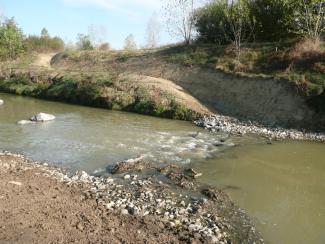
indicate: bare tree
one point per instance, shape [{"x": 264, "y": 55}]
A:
[
  {"x": 97, "y": 34},
  {"x": 129, "y": 43},
  {"x": 153, "y": 31},
  {"x": 239, "y": 26},
  {"x": 309, "y": 18},
  {"x": 178, "y": 15}
]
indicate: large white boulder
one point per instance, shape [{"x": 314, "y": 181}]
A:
[
  {"x": 1, "y": 102},
  {"x": 42, "y": 117}
]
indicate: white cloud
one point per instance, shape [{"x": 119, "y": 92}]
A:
[{"x": 126, "y": 7}]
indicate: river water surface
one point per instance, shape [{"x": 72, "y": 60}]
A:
[{"x": 281, "y": 186}]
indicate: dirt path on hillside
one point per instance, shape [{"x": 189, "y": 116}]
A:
[
  {"x": 180, "y": 94},
  {"x": 44, "y": 60},
  {"x": 35, "y": 208}
]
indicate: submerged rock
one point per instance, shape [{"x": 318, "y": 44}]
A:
[
  {"x": 25, "y": 122},
  {"x": 130, "y": 165},
  {"x": 192, "y": 173},
  {"x": 1, "y": 102},
  {"x": 42, "y": 117}
]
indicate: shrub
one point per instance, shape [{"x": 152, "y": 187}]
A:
[
  {"x": 11, "y": 40},
  {"x": 44, "y": 44}
]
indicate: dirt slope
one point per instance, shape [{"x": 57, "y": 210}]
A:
[
  {"x": 180, "y": 94},
  {"x": 44, "y": 60}
]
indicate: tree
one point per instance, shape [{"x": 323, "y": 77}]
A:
[
  {"x": 152, "y": 32},
  {"x": 179, "y": 19},
  {"x": 97, "y": 34},
  {"x": 84, "y": 42},
  {"x": 45, "y": 34},
  {"x": 129, "y": 43},
  {"x": 104, "y": 46},
  {"x": 11, "y": 40},
  {"x": 210, "y": 22},
  {"x": 240, "y": 24},
  {"x": 271, "y": 19},
  {"x": 309, "y": 18}
]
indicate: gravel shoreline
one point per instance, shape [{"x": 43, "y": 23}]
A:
[
  {"x": 203, "y": 215},
  {"x": 231, "y": 125}
]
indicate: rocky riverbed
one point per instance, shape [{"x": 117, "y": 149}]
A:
[
  {"x": 190, "y": 212},
  {"x": 234, "y": 126}
]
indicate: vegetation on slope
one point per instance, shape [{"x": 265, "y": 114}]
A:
[{"x": 98, "y": 89}]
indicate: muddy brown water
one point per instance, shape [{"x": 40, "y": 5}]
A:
[{"x": 281, "y": 186}]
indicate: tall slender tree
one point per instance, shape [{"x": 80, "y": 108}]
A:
[
  {"x": 179, "y": 19},
  {"x": 152, "y": 32}
]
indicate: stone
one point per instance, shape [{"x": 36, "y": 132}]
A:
[
  {"x": 25, "y": 122},
  {"x": 42, "y": 117},
  {"x": 15, "y": 183},
  {"x": 80, "y": 226},
  {"x": 1, "y": 102},
  {"x": 130, "y": 165},
  {"x": 84, "y": 176},
  {"x": 126, "y": 177},
  {"x": 124, "y": 211}
]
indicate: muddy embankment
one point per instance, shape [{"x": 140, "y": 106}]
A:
[{"x": 273, "y": 102}]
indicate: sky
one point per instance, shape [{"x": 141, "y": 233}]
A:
[{"x": 67, "y": 18}]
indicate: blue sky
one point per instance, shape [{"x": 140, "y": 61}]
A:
[{"x": 67, "y": 18}]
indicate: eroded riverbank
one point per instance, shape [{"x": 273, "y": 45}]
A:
[{"x": 138, "y": 210}]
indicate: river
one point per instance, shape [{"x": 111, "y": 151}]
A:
[{"x": 281, "y": 186}]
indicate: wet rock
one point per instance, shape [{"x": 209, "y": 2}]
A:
[
  {"x": 84, "y": 177},
  {"x": 169, "y": 168},
  {"x": 126, "y": 177},
  {"x": 42, "y": 117},
  {"x": 192, "y": 173},
  {"x": 212, "y": 193},
  {"x": 131, "y": 165},
  {"x": 25, "y": 122}
]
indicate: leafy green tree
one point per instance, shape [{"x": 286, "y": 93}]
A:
[
  {"x": 44, "y": 33},
  {"x": 210, "y": 22},
  {"x": 240, "y": 23},
  {"x": 271, "y": 19},
  {"x": 84, "y": 42},
  {"x": 309, "y": 18},
  {"x": 11, "y": 40}
]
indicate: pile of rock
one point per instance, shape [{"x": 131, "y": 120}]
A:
[{"x": 234, "y": 126}]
